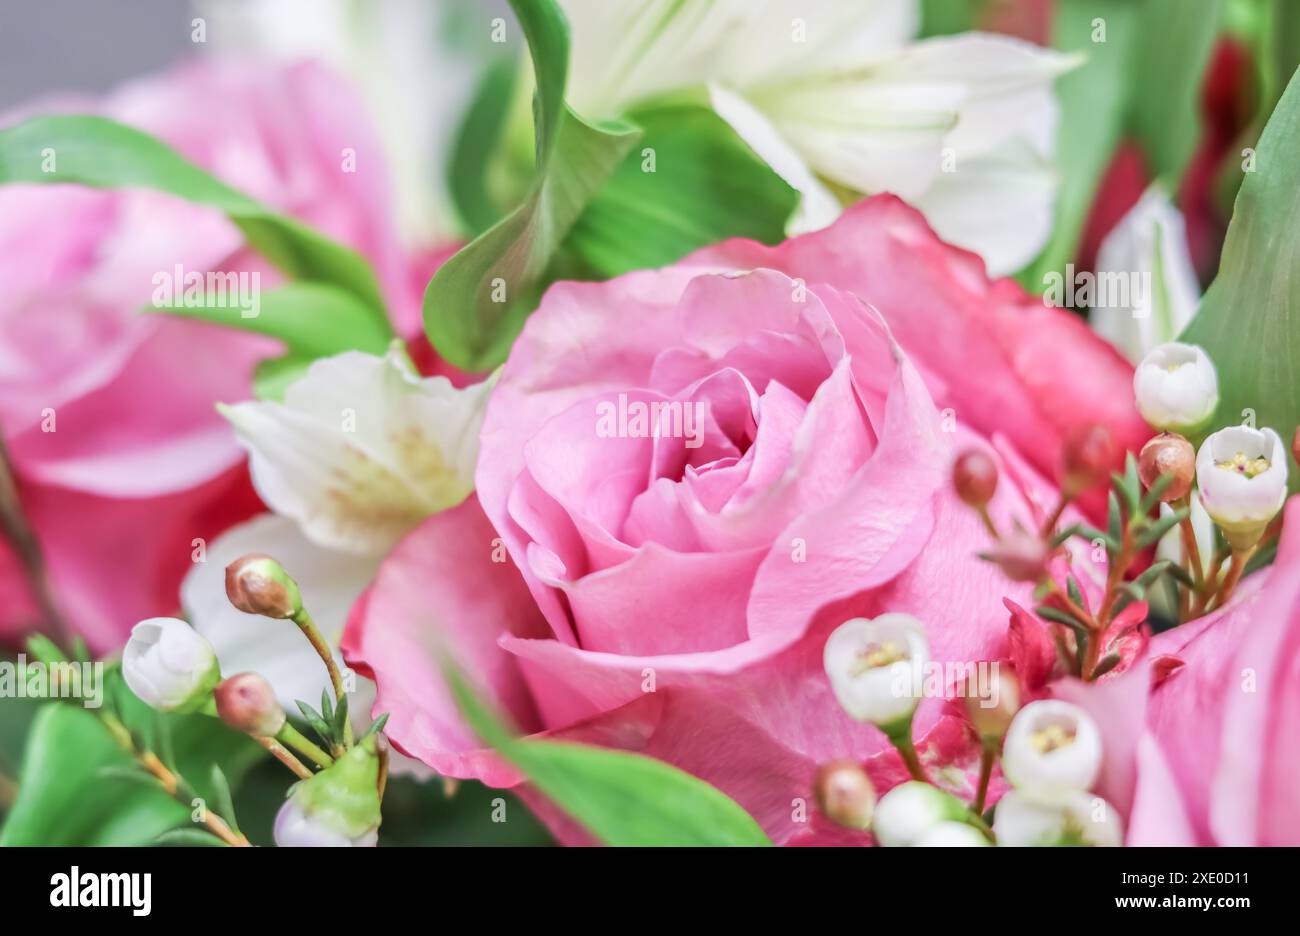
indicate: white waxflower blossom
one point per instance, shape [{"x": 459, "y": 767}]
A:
[
  {"x": 1241, "y": 473},
  {"x": 876, "y": 667},
  {"x": 1148, "y": 250},
  {"x": 953, "y": 835},
  {"x": 1052, "y": 749},
  {"x": 1078, "y": 818},
  {"x": 169, "y": 666},
  {"x": 908, "y": 812},
  {"x": 363, "y": 448},
  {"x": 1176, "y": 387},
  {"x": 840, "y": 100}
]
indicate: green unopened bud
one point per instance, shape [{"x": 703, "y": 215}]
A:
[
  {"x": 338, "y": 806},
  {"x": 257, "y": 584},
  {"x": 247, "y": 703}
]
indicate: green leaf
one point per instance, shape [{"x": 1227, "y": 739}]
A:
[
  {"x": 1048, "y": 613},
  {"x": 101, "y": 153},
  {"x": 1249, "y": 320},
  {"x": 76, "y": 785},
  {"x": 476, "y": 303},
  {"x": 190, "y": 837},
  {"x": 948, "y": 17},
  {"x": 312, "y": 319},
  {"x": 1143, "y": 80},
  {"x": 1172, "y": 44},
  {"x": 480, "y": 130},
  {"x": 691, "y": 182},
  {"x": 621, "y": 798},
  {"x": 1159, "y": 528},
  {"x": 1114, "y": 519},
  {"x": 1152, "y": 496},
  {"x": 1092, "y": 100},
  {"x": 317, "y": 722},
  {"x": 225, "y": 800}
]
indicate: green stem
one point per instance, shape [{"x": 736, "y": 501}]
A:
[
  {"x": 987, "y": 757},
  {"x": 323, "y": 650},
  {"x": 293, "y": 737},
  {"x": 901, "y": 736}
]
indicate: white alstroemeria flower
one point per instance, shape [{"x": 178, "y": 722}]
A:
[
  {"x": 953, "y": 835},
  {"x": 363, "y": 448},
  {"x": 910, "y": 810},
  {"x": 415, "y": 80},
  {"x": 169, "y": 666},
  {"x": 1241, "y": 473},
  {"x": 1149, "y": 249},
  {"x": 837, "y": 96},
  {"x": 876, "y": 667},
  {"x": 1021, "y": 821},
  {"x": 1176, "y": 387},
  {"x": 1052, "y": 749}
]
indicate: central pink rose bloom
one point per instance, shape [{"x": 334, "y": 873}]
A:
[{"x": 689, "y": 476}]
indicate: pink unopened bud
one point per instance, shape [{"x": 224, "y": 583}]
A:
[
  {"x": 1021, "y": 556},
  {"x": 992, "y": 703},
  {"x": 844, "y": 794},
  {"x": 257, "y": 584},
  {"x": 975, "y": 477},
  {"x": 247, "y": 703},
  {"x": 1090, "y": 453},
  {"x": 1168, "y": 454}
]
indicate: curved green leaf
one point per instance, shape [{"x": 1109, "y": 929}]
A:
[
  {"x": 476, "y": 303},
  {"x": 1249, "y": 320},
  {"x": 691, "y": 182},
  {"x": 620, "y": 798}
]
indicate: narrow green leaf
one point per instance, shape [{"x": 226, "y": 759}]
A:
[
  {"x": 44, "y": 650},
  {"x": 479, "y": 132},
  {"x": 312, "y": 319},
  {"x": 1159, "y": 528},
  {"x": 195, "y": 838},
  {"x": 225, "y": 800},
  {"x": 340, "y": 717},
  {"x": 1076, "y": 595},
  {"x": 476, "y": 303},
  {"x": 1047, "y": 612},
  {"x": 1114, "y": 519},
  {"x": 101, "y": 153},
  {"x": 317, "y": 722},
  {"x": 621, "y": 798},
  {"x": 1152, "y": 497},
  {"x": 1249, "y": 320}
]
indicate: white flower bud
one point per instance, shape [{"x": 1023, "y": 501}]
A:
[
  {"x": 338, "y": 807},
  {"x": 1052, "y": 749},
  {"x": 953, "y": 835},
  {"x": 1176, "y": 387},
  {"x": 910, "y": 810},
  {"x": 876, "y": 667},
  {"x": 295, "y": 828},
  {"x": 1079, "y": 819},
  {"x": 169, "y": 666},
  {"x": 1241, "y": 473}
]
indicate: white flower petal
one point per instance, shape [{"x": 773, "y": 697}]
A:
[
  {"x": 1151, "y": 234},
  {"x": 363, "y": 449},
  {"x": 1047, "y": 766},
  {"x": 818, "y": 206},
  {"x": 330, "y": 583},
  {"x": 999, "y": 204}
]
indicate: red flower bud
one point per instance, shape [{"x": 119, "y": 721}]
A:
[
  {"x": 1090, "y": 453},
  {"x": 975, "y": 476},
  {"x": 247, "y": 703},
  {"x": 1168, "y": 454}
]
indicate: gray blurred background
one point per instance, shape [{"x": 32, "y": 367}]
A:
[{"x": 86, "y": 45}]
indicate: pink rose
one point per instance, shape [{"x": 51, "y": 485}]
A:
[
  {"x": 122, "y": 460},
  {"x": 672, "y": 595}
]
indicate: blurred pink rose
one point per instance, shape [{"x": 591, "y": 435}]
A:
[
  {"x": 1200, "y": 735},
  {"x": 672, "y": 595},
  {"x": 108, "y": 413}
]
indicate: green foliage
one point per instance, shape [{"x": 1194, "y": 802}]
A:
[
  {"x": 620, "y": 798},
  {"x": 1249, "y": 320}
]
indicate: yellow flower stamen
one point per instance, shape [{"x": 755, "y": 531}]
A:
[
  {"x": 1244, "y": 464},
  {"x": 1051, "y": 738},
  {"x": 875, "y": 656}
]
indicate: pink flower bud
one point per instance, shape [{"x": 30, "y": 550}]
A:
[
  {"x": 975, "y": 476},
  {"x": 1168, "y": 454},
  {"x": 257, "y": 584},
  {"x": 844, "y": 794},
  {"x": 247, "y": 703}
]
